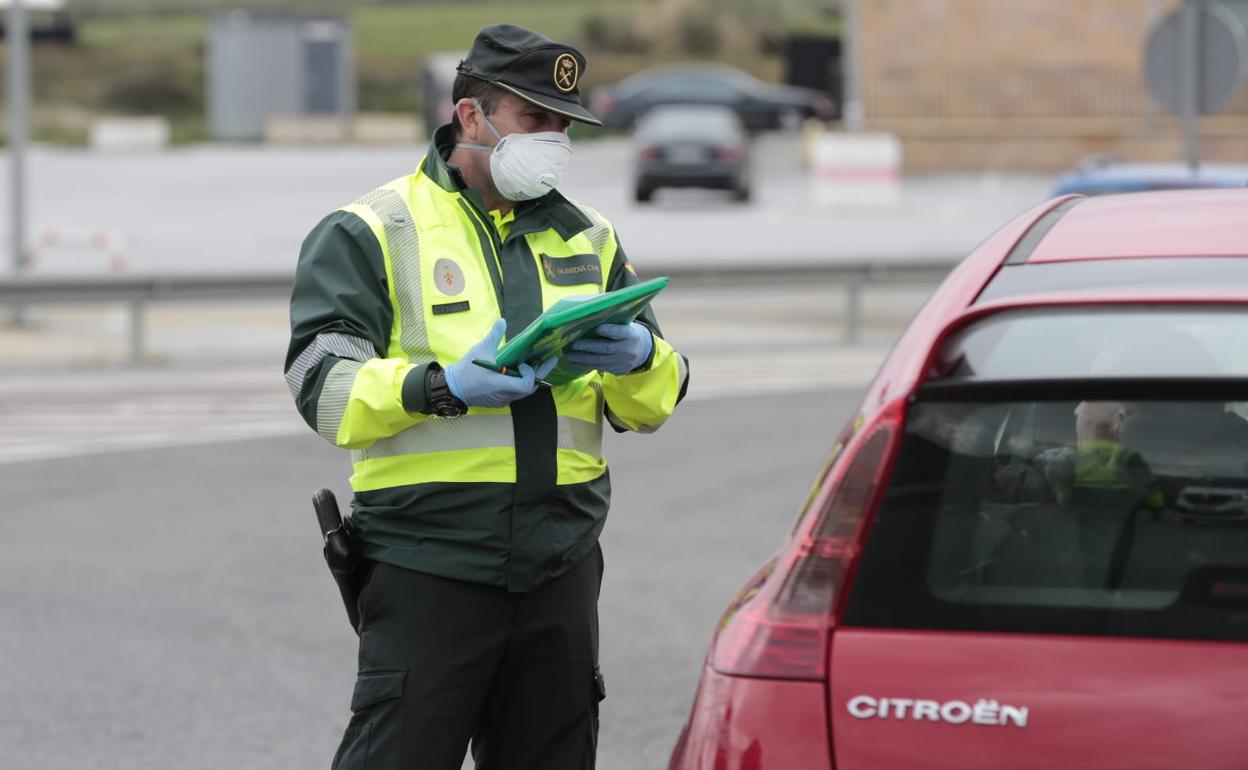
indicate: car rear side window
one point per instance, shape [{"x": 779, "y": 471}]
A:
[
  {"x": 1100, "y": 517},
  {"x": 1124, "y": 341},
  {"x": 1185, "y": 273},
  {"x": 689, "y": 123}
]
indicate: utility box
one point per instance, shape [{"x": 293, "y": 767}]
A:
[
  {"x": 262, "y": 67},
  {"x": 814, "y": 61}
]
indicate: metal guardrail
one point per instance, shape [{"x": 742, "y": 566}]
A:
[
  {"x": 137, "y": 292},
  {"x": 853, "y": 277}
]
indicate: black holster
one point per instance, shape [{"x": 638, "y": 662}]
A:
[{"x": 341, "y": 555}]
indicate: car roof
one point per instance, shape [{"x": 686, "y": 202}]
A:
[
  {"x": 1188, "y": 223},
  {"x": 716, "y": 114},
  {"x": 654, "y": 74},
  {"x": 696, "y": 110}
]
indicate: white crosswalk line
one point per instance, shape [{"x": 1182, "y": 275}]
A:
[{"x": 121, "y": 410}]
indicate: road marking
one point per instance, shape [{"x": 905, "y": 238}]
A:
[{"x": 116, "y": 411}]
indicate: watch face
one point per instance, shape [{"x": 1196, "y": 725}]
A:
[
  {"x": 448, "y": 409},
  {"x": 443, "y": 402}
]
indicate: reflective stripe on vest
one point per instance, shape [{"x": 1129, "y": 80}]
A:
[
  {"x": 478, "y": 431},
  {"x": 403, "y": 248},
  {"x": 323, "y": 345},
  {"x": 335, "y": 393}
]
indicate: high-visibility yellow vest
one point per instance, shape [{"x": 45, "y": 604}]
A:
[{"x": 443, "y": 279}]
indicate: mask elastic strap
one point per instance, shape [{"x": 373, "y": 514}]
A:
[{"x": 489, "y": 125}]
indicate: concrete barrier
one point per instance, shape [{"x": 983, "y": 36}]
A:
[
  {"x": 129, "y": 134},
  {"x": 855, "y": 169},
  {"x": 307, "y": 129},
  {"x": 373, "y": 129},
  {"x": 70, "y": 249},
  {"x": 381, "y": 129}
]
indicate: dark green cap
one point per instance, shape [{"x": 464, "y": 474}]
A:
[{"x": 531, "y": 66}]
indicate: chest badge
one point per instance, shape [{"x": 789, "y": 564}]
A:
[{"x": 448, "y": 277}]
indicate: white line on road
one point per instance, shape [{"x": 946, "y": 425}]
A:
[{"x": 127, "y": 410}]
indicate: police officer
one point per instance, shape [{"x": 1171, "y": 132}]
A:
[{"x": 478, "y": 496}]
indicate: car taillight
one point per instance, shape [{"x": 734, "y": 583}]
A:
[
  {"x": 779, "y": 626},
  {"x": 728, "y": 153},
  {"x": 649, "y": 153}
]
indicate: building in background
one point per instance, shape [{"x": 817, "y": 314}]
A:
[
  {"x": 1025, "y": 84},
  {"x": 271, "y": 74},
  {"x": 48, "y": 20}
]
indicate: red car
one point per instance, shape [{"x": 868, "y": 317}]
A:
[{"x": 1028, "y": 548}]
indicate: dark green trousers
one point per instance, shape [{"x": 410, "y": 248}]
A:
[{"x": 444, "y": 662}]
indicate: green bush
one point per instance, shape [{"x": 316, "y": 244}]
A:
[
  {"x": 151, "y": 92},
  {"x": 611, "y": 34},
  {"x": 384, "y": 89},
  {"x": 699, "y": 35}
]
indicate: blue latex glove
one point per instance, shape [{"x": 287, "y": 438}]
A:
[
  {"x": 617, "y": 348},
  {"x": 478, "y": 386}
]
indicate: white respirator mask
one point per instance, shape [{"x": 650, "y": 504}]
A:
[{"x": 525, "y": 166}]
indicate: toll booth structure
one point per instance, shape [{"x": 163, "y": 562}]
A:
[{"x": 265, "y": 66}]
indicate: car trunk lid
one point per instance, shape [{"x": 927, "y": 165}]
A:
[{"x": 959, "y": 700}]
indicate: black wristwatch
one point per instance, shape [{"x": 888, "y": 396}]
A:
[{"x": 438, "y": 397}]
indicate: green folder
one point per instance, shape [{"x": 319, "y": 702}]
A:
[{"x": 568, "y": 320}]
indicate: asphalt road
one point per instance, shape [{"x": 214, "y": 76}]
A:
[
  {"x": 165, "y": 600},
  {"x": 169, "y": 608}
]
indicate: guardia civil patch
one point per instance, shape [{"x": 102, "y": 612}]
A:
[
  {"x": 448, "y": 277},
  {"x": 569, "y": 271},
  {"x": 567, "y": 72}
]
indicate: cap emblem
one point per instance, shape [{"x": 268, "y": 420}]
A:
[{"x": 567, "y": 72}]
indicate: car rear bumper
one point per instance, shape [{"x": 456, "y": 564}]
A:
[
  {"x": 674, "y": 175},
  {"x": 739, "y": 721}
]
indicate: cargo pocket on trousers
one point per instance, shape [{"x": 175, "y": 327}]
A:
[
  {"x": 596, "y": 696},
  {"x": 375, "y": 734}
]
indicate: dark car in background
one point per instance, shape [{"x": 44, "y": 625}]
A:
[
  {"x": 1103, "y": 176},
  {"x": 760, "y": 105},
  {"x": 692, "y": 146}
]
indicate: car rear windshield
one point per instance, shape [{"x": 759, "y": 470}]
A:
[
  {"x": 1125, "y": 341},
  {"x": 1110, "y": 499},
  {"x": 1071, "y": 517},
  {"x": 689, "y": 123},
  {"x": 1185, "y": 273}
]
